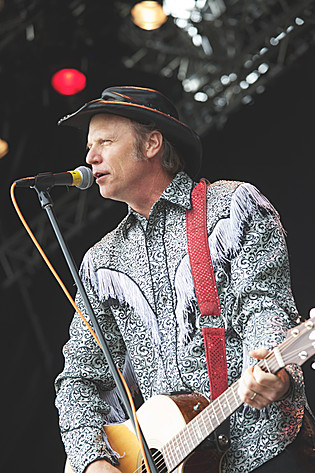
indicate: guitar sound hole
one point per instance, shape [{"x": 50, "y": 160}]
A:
[{"x": 158, "y": 461}]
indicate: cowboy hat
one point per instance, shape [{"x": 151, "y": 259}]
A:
[{"x": 144, "y": 106}]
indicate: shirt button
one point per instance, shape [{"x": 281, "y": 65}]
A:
[{"x": 164, "y": 299}]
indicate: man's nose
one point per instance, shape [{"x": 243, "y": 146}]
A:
[{"x": 93, "y": 156}]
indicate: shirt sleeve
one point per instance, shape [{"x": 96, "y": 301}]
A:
[
  {"x": 264, "y": 307},
  {"x": 83, "y": 385}
]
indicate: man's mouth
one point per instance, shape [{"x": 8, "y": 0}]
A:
[{"x": 100, "y": 175}]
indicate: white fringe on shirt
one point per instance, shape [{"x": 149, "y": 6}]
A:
[
  {"x": 225, "y": 242},
  {"x": 111, "y": 284},
  {"x": 226, "y": 239}
]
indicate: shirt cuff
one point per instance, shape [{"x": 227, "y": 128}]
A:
[{"x": 84, "y": 446}]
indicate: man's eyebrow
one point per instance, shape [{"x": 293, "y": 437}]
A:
[
  {"x": 88, "y": 144},
  {"x": 108, "y": 136}
]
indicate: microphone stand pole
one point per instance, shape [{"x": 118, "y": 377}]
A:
[{"x": 47, "y": 204}]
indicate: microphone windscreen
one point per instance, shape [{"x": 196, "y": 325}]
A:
[{"x": 87, "y": 178}]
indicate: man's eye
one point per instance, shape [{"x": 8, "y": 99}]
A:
[{"x": 100, "y": 143}]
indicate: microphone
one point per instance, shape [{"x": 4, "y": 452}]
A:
[{"x": 81, "y": 177}]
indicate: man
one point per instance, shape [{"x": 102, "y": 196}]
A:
[{"x": 139, "y": 282}]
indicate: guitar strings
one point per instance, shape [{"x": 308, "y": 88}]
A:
[
  {"x": 285, "y": 345},
  {"x": 158, "y": 461},
  {"x": 206, "y": 425}
]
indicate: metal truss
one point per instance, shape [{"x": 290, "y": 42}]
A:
[
  {"x": 222, "y": 52},
  {"x": 75, "y": 212}
]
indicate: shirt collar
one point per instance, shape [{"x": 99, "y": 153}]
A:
[{"x": 178, "y": 192}]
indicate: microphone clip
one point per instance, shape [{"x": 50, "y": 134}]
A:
[
  {"x": 43, "y": 187},
  {"x": 44, "y": 181}
]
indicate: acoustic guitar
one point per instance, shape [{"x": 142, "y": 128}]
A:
[{"x": 175, "y": 426}]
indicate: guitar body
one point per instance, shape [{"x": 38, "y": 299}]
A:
[{"x": 161, "y": 418}]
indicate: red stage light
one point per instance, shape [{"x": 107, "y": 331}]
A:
[{"x": 68, "y": 81}]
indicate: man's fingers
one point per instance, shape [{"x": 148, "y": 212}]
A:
[
  {"x": 259, "y": 354},
  {"x": 258, "y": 389}
]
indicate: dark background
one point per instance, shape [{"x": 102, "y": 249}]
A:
[{"x": 269, "y": 143}]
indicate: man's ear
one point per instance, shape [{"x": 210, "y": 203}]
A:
[{"x": 153, "y": 144}]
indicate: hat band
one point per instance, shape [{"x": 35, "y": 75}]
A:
[{"x": 139, "y": 106}]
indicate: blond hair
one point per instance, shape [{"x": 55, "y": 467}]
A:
[{"x": 171, "y": 160}]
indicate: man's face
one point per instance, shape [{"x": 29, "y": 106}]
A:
[{"x": 112, "y": 155}]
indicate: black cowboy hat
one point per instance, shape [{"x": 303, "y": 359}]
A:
[{"x": 144, "y": 106}]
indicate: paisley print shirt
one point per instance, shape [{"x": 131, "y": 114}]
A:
[{"x": 139, "y": 282}]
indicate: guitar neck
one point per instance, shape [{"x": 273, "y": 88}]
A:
[{"x": 205, "y": 423}]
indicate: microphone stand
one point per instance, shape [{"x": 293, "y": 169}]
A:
[{"x": 46, "y": 202}]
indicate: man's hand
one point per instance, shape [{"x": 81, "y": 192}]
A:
[
  {"x": 259, "y": 389},
  {"x": 101, "y": 466}
]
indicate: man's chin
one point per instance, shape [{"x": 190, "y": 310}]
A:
[{"x": 108, "y": 194}]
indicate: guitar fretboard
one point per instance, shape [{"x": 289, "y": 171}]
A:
[{"x": 199, "y": 428}]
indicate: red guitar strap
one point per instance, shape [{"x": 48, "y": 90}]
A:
[
  {"x": 199, "y": 252},
  {"x": 214, "y": 340},
  {"x": 206, "y": 289}
]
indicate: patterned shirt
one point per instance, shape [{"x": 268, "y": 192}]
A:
[{"x": 139, "y": 282}]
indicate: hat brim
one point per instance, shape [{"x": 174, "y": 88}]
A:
[{"x": 180, "y": 135}]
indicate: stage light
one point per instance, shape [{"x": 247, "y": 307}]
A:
[
  {"x": 263, "y": 68},
  {"x": 299, "y": 21},
  {"x": 68, "y": 81},
  {"x": 252, "y": 77},
  {"x": 148, "y": 15},
  {"x": 4, "y": 148},
  {"x": 201, "y": 97}
]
